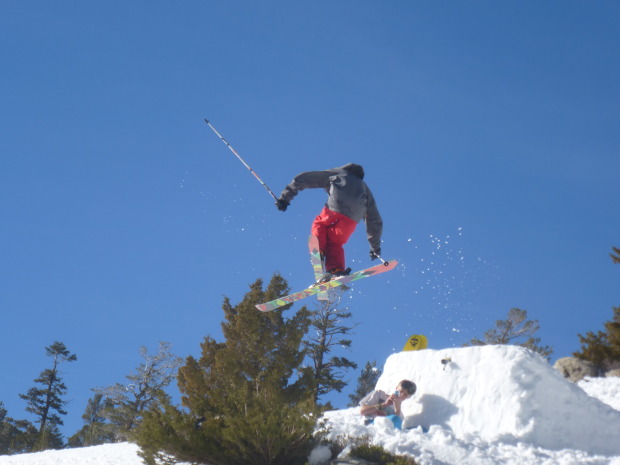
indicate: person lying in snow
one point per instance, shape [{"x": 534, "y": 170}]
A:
[
  {"x": 349, "y": 201},
  {"x": 380, "y": 404}
]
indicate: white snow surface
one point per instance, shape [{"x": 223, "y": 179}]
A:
[
  {"x": 107, "y": 454},
  {"x": 489, "y": 405},
  {"x": 604, "y": 389}
]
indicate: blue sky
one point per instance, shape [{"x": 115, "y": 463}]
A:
[{"x": 488, "y": 131}]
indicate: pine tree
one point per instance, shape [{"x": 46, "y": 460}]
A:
[
  {"x": 514, "y": 328},
  {"x": 50, "y": 438},
  {"x": 6, "y": 431},
  {"x": 46, "y": 402},
  {"x": 125, "y": 403},
  {"x": 5, "y": 434},
  {"x": 95, "y": 430},
  {"x": 245, "y": 400},
  {"x": 365, "y": 383},
  {"x": 16, "y": 436},
  {"x": 328, "y": 332},
  {"x": 603, "y": 347}
]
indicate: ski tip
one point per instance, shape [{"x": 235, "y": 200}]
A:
[{"x": 388, "y": 265}]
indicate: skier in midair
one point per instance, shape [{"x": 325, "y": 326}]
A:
[{"x": 349, "y": 201}]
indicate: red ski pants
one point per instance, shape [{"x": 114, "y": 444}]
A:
[{"x": 333, "y": 230}]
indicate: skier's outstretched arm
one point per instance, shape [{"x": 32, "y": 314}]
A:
[
  {"x": 307, "y": 180},
  {"x": 374, "y": 227}
]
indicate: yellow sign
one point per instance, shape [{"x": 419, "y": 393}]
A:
[{"x": 416, "y": 342}]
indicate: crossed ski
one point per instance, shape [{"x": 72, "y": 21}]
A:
[{"x": 324, "y": 287}]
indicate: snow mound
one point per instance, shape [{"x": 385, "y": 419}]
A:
[{"x": 500, "y": 394}]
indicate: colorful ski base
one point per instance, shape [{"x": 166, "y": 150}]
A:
[
  {"x": 317, "y": 264},
  {"x": 324, "y": 287}
]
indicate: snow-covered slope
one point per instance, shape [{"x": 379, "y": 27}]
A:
[
  {"x": 488, "y": 406},
  {"x": 108, "y": 454},
  {"x": 604, "y": 389}
]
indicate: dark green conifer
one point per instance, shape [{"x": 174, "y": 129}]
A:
[
  {"x": 365, "y": 383},
  {"x": 328, "y": 332},
  {"x": 603, "y": 347},
  {"x": 46, "y": 402},
  {"x": 96, "y": 429},
  {"x": 16, "y": 436},
  {"x": 246, "y": 400}
]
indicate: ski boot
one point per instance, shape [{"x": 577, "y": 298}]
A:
[{"x": 336, "y": 273}]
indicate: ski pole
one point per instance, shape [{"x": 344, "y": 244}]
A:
[{"x": 241, "y": 159}]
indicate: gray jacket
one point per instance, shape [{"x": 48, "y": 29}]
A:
[{"x": 348, "y": 194}]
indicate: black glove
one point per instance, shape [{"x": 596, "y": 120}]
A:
[
  {"x": 375, "y": 253},
  {"x": 281, "y": 204}
]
